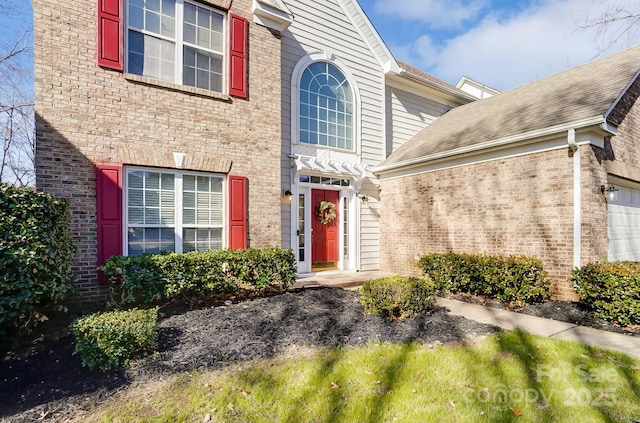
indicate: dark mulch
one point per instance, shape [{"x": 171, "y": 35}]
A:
[
  {"x": 571, "y": 312},
  {"x": 51, "y": 385}
]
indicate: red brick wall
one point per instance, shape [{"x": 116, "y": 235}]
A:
[
  {"x": 519, "y": 205},
  {"x": 85, "y": 114}
]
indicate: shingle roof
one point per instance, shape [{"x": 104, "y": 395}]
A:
[{"x": 577, "y": 94}]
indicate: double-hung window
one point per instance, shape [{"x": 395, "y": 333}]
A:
[
  {"x": 176, "y": 41},
  {"x": 173, "y": 211}
]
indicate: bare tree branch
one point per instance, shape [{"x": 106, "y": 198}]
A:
[
  {"x": 16, "y": 104},
  {"x": 20, "y": 46},
  {"x": 618, "y": 22}
]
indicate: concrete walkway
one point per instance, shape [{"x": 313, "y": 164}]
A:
[
  {"x": 504, "y": 319},
  {"x": 339, "y": 279},
  {"x": 548, "y": 328}
]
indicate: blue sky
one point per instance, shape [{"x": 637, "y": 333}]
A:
[{"x": 502, "y": 43}]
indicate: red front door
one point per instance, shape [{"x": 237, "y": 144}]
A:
[{"x": 325, "y": 241}]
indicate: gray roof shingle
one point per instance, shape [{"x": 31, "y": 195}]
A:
[{"x": 577, "y": 94}]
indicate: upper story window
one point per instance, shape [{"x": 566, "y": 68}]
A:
[
  {"x": 176, "y": 41},
  {"x": 326, "y": 107}
]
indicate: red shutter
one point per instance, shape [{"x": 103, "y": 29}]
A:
[
  {"x": 110, "y": 34},
  {"x": 109, "y": 212},
  {"x": 238, "y": 30},
  {"x": 237, "y": 212}
]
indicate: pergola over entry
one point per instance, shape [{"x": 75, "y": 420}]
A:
[{"x": 332, "y": 168}]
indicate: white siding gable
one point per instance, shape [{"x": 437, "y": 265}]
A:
[{"x": 327, "y": 28}]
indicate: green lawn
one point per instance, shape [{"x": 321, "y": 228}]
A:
[{"x": 503, "y": 378}]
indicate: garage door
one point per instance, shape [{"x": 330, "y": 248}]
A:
[{"x": 624, "y": 225}]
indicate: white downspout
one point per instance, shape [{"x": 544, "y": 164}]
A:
[{"x": 577, "y": 199}]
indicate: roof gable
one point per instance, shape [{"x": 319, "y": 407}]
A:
[
  {"x": 370, "y": 36},
  {"x": 578, "y": 96}
]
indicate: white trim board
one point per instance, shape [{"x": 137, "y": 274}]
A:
[{"x": 479, "y": 157}]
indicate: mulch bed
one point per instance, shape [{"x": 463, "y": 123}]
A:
[
  {"x": 51, "y": 385},
  {"x": 571, "y": 312}
]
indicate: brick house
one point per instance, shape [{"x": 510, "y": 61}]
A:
[
  {"x": 179, "y": 125},
  {"x": 150, "y": 159},
  {"x": 550, "y": 169}
]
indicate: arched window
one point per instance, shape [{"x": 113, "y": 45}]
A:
[{"x": 326, "y": 107}]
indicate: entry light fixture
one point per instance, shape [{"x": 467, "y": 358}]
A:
[
  {"x": 363, "y": 198},
  {"x": 608, "y": 189},
  {"x": 288, "y": 194}
]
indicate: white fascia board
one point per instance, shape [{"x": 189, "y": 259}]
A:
[
  {"x": 467, "y": 98},
  {"x": 594, "y": 123},
  {"x": 276, "y": 19},
  {"x": 370, "y": 35},
  {"x": 470, "y": 159},
  {"x": 431, "y": 91}
]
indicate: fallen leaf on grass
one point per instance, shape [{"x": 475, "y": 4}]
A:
[
  {"x": 516, "y": 411},
  {"x": 335, "y": 385},
  {"x": 369, "y": 372},
  {"x": 382, "y": 390},
  {"x": 244, "y": 394},
  {"x": 450, "y": 405}
]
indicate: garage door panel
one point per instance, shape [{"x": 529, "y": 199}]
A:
[{"x": 623, "y": 224}]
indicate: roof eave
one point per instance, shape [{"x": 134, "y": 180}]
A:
[
  {"x": 277, "y": 19},
  {"x": 370, "y": 35},
  {"x": 596, "y": 122},
  {"x": 417, "y": 78}
]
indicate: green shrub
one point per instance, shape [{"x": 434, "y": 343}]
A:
[
  {"x": 515, "y": 280},
  {"x": 36, "y": 253},
  {"x": 397, "y": 297},
  {"x": 611, "y": 289},
  {"x": 112, "y": 339},
  {"x": 153, "y": 277}
]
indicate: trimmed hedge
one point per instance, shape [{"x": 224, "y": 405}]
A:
[
  {"x": 515, "y": 280},
  {"x": 36, "y": 253},
  {"x": 112, "y": 339},
  {"x": 611, "y": 289},
  {"x": 154, "y": 277},
  {"x": 397, "y": 297}
]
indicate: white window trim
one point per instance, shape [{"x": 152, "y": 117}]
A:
[
  {"x": 178, "y": 215},
  {"x": 296, "y": 76},
  {"x": 179, "y": 42}
]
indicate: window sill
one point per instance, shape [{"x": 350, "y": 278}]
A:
[
  {"x": 324, "y": 147},
  {"x": 175, "y": 87}
]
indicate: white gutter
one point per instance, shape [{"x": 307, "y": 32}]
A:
[
  {"x": 577, "y": 198},
  {"x": 425, "y": 81},
  {"x": 552, "y": 130}
]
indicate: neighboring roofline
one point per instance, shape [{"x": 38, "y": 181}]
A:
[
  {"x": 464, "y": 78},
  {"x": 622, "y": 94},
  {"x": 596, "y": 121},
  {"x": 417, "y": 78},
  {"x": 277, "y": 19},
  {"x": 370, "y": 35}
]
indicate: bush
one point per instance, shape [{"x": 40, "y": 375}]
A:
[
  {"x": 112, "y": 339},
  {"x": 153, "y": 277},
  {"x": 611, "y": 289},
  {"x": 397, "y": 297},
  {"x": 36, "y": 253},
  {"x": 515, "y": 280}
]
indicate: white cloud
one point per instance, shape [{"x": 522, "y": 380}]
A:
[
  {"x": 539, "y": 41},
  {"x": 435, "y": 13}
]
